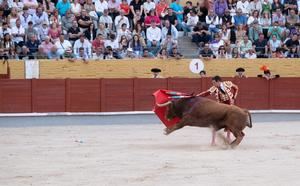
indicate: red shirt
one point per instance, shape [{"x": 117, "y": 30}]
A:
[
  {"x": 98, "y": 43},
  {"x": 148, "y": 20},
  {"x": 125, "y": 7},
  {"x": 160, "y": 8}
]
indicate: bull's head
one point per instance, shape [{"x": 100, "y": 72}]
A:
[{"x": 170, "y": 112}]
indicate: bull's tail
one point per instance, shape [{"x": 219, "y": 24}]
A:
[{"x": 249, "y": 124}]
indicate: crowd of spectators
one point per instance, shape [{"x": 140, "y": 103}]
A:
[{"x": 120, "y": 29}]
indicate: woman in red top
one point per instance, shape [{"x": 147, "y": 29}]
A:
[
  {"x": 54, "y": 32},
  {"x": 152, "y": 17},
  {"x": 124, "y": 6},
  {"x": 161, "y": 9}
]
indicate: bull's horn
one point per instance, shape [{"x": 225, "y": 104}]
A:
[{"x": 164, "y": 104}]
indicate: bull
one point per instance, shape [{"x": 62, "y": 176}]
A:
[{"x": 203, "y": 112}]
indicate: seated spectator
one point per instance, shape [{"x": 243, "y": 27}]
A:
[
  {"x": 125, "y": 7},
  {"x": 139, "y": 30},
  {"x": 289, "y": 5},
  {"x": 123, "y": 46},
  {"x": 245, "y": 45},
  {"x": 265, "y": 22},
  {"x": 12, "y": 17},
  {"x": 106, "y": 20},
  {"x": 277, "y": 5},
  {"x": 225, "y": 33},
  {"x": 266, "y": 6},
  {"x": 206, "y": 53},
  {"x": 255, "y": 5},
  {"x": 292, "y": 20},
  {"x": 82, "y": 42},
  {"x": 250, "y": 54},
  {"x": 156, "y": 73},
  {"x": 240, "y": 34},
  {"x": 254, "y": 31},
  {"x": 32, "y": 44},
  {"x": 161, "y": 9},
  {"x": 169, "y": 29},
  {"x": 4, "y": 30},
  {"x": 55, "y": 18},
  {"x": 64, "y": 47},
  {"x": 222, "y": 53},
  {"x": 74, "y": 32},
  {"x": 99, "y": 54},
  {"x": 278, "y": 53},
  {"x": 252, "y": 18},
  {"x": 261, "y": 46},
  {"x": 138, "y": 18},
  {"x": 98, "y": 42},
  {"x": 91, "y": 33},
  {"x": 235, "y": 53},
  {"x": 192, "y": 20},
  {"x": 54, "y": 32},
  {"x": 153, "y": 38},
  {"x": 175, "y": 54},
  {"x": 82, "y": 54},
  {"x": 39, "y": 18},
  {"x": 274, "y": 44},
  {"x": 163, "y": 54},
  {"x": 240, "y": 73},
  {"x": 200, "y": 35},
  {"x": 216, "y": 43},
  {"x": 18, "y": 33},
  {"x": 100, "y": 6},
  {"x": 151, "y": 17},
  {"x": 53, "y": 54},
  {"x": 103, "y": 31},
  {"x": 46, "y": 46},
  {"x": 290, "y": 42},
  {"x": 67, "y": 21},
  {"x": 147, "y": 54},
  {"x": 23, "y": 55},
  {"x": 227, "y": 19},
  {"x": 32, "y": 6},
  {"x": 219, "y": 7},
  {"x": 137, "y": 44},
  {"x": 25, "y": 17},
  {"x": 19, "y": 5},
  {"x": 213, "y": 22},
  {"x": 171, "y": 17},
  {"x": 293, "y": 52},
  {"x": 43, "y": 31},
  {"x": 48, "y": 6},
  {"x": 202, "y": 74},
  {"x": 186, "y": 10},
  {"x": 276, "y": 30},
  {"x": 148, "y": 6},
  {"x": 202, "y": 11},
  {"x": 7, "y": 47},
  {"x": 112, "y": 42},
  {"x": 278, "y": 17},
  {"x": 109, "y": 54},
  {"x": 84, "y": 21},
  {"x": 244, "y": 5},
  {"x": 63, "y": 6},
  {"x": 124, "y": 31},
  {"x": 239, "y": 18},
  {"x": 120, "y": 20},
  {"x": 75, "y": 8},
  {"x": 169, "y": 43}
]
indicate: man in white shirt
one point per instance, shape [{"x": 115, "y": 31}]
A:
[
  {"x": 63, "y": 45},
  {"x": 25, "y": 17},
  {"x": 84, "y": 43},
  {"x": 18, "y": 33},
  {"x": 121, "y": 19},
  {"x": 192, "y": 20},
  {"x": 32, "y": 5},
  {"x": 39, "y": 18},
  {"x": 148, "y": 5},
  {"x": 153, "y": 38},
  {"x": 106, "y": 19},
  {"x": 244, "y": 5},
  {"x": 100, "y": 6},
  {"x": 4, "y": 29}
]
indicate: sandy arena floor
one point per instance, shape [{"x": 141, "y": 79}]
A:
[{"x": 118, "y": 155}]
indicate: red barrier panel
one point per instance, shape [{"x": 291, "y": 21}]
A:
[
  {"x": 94, "y": 95},
  {"x": 285, "y": 93},
  {"x": 117, "y": 95},
  {"x": 143, "y": 89},
  {"x": 15, "y": 96},
  {"x": 48, "y": 95},
  {"x": 83, "y": 95}
]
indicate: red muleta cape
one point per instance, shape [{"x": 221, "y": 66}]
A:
[{"x": 162, "y": 96}]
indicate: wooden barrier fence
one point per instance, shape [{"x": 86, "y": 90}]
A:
[{"x": 103, "y": 95}]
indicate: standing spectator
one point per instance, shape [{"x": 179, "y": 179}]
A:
[
  {"x": 106, "y": 19},
  {"x": 192, "y": 20},
  {"x": 63, "y": 6},
  {"x": 244, "y": 6},
  {"x": 153, "y": 38},
  {"x": 63, "y": 46},
  {"x": 84, "y": 43},
  {"x": 25, "y": 17},
  {"x": 121, "y": 19},
  {"x": 147, "y": 6},
  {"x": 261, "y": 46},
  {"x": 74, "y": 32},
  {"x": 100, "y": 6},
  {"x": 39, "y": 17},
  {"x": 220, "y": 6},
  {"x": 84, "y": 21}
]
